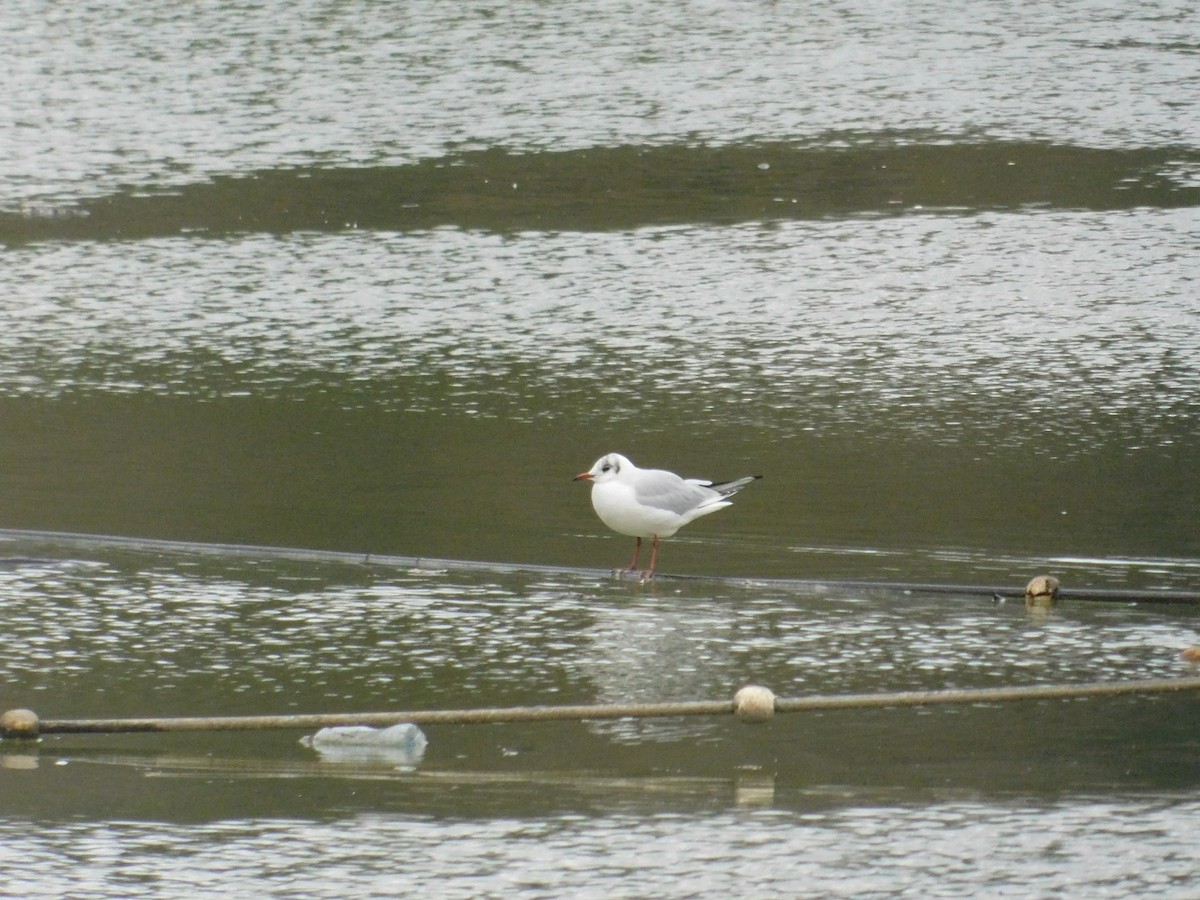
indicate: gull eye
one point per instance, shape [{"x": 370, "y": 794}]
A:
[{"x": 606, "y": 468}]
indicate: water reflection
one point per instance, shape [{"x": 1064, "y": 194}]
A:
[
  {"x": 145, "y": 96},
  {"x": 791, "y": 330},
  {"x": 629, "y": 187},
  {"x": 128, "y": 631},
  {"x": 141, "y": 637},
  {"x": 1118, "y": 847},
  {"x": 955, "y": 392}
]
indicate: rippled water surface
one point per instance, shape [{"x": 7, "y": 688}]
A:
[
  {"x": 374, "y": 281},
  {"x": 147, "y": 94},
  {"x": 1056, "y": 793},
  {"x": 880, "y": 851},
  {"x": 1007, "y": 325}
]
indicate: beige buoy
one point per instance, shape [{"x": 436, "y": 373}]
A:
[
  {"x": 1191, "y": 654},
  {"x": 754, "y": 703},
  {"x": 19, "y": 723},
  {"x": 1041, "y": 591}
]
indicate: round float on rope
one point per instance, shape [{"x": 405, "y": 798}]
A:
[
  {"x": 19, "y": 723},
  {"x": 754, "y": 704},
  {"x": 1041, "y": 591}
]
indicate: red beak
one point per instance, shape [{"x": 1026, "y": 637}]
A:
[{"x": 582, "y": 476}]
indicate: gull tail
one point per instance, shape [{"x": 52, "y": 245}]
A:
[{"x": 729, "y": 488}]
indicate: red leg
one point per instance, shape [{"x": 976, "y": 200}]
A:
[
  {"x": 653, "y": 559},
  {"x": 637, "y": 551}
]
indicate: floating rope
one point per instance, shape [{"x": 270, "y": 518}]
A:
[
  {"x": 752, "y": 703},
  {"x": 77, "y": 542}
]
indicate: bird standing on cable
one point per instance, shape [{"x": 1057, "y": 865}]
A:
[{"x": 652, "y": 503}]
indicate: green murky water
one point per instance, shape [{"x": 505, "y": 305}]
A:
[{"x": 380, "y": 280}]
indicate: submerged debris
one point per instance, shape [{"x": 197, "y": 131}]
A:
[{"x": 402, "y": 744}]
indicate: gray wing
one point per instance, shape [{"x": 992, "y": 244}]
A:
[{"x": 666, "y": 490}]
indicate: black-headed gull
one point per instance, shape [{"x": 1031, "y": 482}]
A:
[{"x": 652, "y": 503}]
